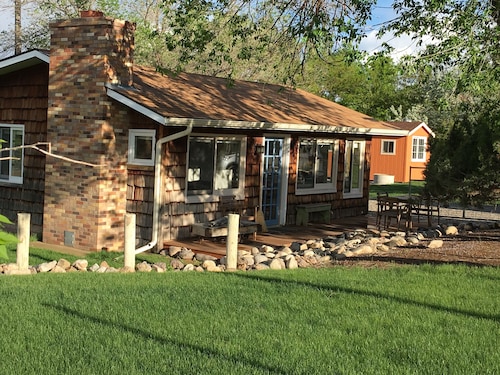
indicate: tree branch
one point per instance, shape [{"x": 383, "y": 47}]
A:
[{"x": 48, "y": 153}]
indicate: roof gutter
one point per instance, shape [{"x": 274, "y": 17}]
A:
[
  {"x": 290, "y": 128},
  {"x": 157, "y": 184}
]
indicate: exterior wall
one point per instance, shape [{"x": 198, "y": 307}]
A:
[
  {"x": 177, "y": 216},
  {"x": 85, "y": 205},
  {"x": 340, "y": 207},
  {"x": 398, "y": 165},
  {"x": 417, "y": 168},
  {"x": 23, "y": 100},
  {"x": 394, "y": 165}
]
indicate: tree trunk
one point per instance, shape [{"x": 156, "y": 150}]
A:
[{"x": 17, "y": 26}]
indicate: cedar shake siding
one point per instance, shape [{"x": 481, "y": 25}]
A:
[{"x": 23, "y": 100}]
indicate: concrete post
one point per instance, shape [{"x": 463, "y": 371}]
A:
[
  {"x": 23, "y": 235},
  {"x": 129, "y": 253},
  {"x": 233, "y": 227}
]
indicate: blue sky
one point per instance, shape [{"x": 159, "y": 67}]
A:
[{"x": 383, "y": 12}]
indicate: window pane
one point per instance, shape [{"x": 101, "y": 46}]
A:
[
  {"x": 4, "y": 164},
  {"x": 388, "y": 147},
  {"x": 356, "y": 166},
  {"x": 324, "y": 163},
  {"x": 227, "y": 164},
  {"x": 347, "y": 168},
  {"x": 200, "y": 166},
  {"x": 143, "y": 147},
  {"x": 307, "y": 156},
  {"x": 418, "y": 149},
  {"x": 17, "y": 161}
]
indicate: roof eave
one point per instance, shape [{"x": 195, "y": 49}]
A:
[
  {"x": 24, "y": 60},
  {"x": 250, "y": 125}
]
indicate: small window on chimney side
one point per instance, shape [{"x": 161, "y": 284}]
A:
[{"x": 141, "y": 147}]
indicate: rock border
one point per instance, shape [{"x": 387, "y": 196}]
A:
[{"x": 312, "y": 253}]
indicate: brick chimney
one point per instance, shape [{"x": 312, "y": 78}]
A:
[{"x": 85, "y": 205}]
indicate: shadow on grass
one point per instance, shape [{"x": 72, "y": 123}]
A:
[
  {"x": 209, "y": 352},
  {"x": 366, "y": 293}
]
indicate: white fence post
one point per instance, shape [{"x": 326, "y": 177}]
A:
[
  {"x": 129, "y": 253},
  {"x": 23, "y": 236},
  {"x": 233, "y": 227}
]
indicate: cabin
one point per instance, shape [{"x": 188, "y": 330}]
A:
[
  {"x": 90, "y": 137},
  {"x": 401, "y": 158}
]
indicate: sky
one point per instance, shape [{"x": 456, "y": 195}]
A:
[
  {"x": 383, "y": 12},
  {"x": 402, "y": 45}
]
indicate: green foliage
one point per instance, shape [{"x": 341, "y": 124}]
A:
[
  {"x": 371, "y": 85},
  {"x": 277, "y": 35},
  {"x": 460, "y": 73},
  {"x": 465, "y": 161},
  {"x": 5, "y": 238}
]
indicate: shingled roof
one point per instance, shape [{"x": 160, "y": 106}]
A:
[{"x": 213, "y": 100}]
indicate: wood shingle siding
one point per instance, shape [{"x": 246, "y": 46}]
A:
[{"x": 23, "y": 100}]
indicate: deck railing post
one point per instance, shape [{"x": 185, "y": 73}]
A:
[
  {"x": 23, "y": 236},
  {"x": 129, "y": 252},
  {"x": 233, "y": 226}
]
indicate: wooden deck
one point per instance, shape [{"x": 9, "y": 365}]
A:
[{"x": 276, "y": 237}]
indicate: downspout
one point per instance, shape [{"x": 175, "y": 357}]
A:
[{"x": 157, "y": 186}]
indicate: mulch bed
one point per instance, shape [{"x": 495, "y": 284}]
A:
[{"x": 475, "y": 249}]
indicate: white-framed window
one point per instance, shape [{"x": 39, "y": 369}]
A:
[
  {"x": 419, "y": 145},
  {"x": 388, "y": 147},
  {"x": 317, "y": 166},
  {"x": 354, "y": 168},
  {"x": 215, "y": 166},
  {"x": 141, "y": 146},
  {"x": 11, "y": 161}
]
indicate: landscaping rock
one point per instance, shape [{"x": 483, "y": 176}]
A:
[
  {"x": 451, "y": 230},
  {"x": 46, "y": 267},
  {"x": 186, "y": 254},
  {"x": 435, "y": 244},
  {"x": 81, "y": 264},
  {"x": 143, "y": 267},
  {"x": 64, "y": 264}
]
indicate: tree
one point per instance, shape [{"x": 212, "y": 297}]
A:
[
  {"x": 369, "y": 84},
  {"x": 464, "y": 64},
  {"x": 283, "y": 33}
]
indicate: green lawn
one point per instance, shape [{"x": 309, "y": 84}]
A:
[
  {"x": 400, "y": 320},
  {"x": 397, "y": 189}
]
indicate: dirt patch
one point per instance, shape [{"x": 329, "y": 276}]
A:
[{"x": 475, "y": 248}]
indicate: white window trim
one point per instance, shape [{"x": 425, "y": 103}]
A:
[
  {"x": 358, "y": 193},
  {"x": 14, "y": 179},
  {"x": 131, "y": 150},
  {"x": 382, "y": 147},
  {"x": 238, "y": 192},
  {"x": 330, "y": 187},
  {"x": 414, "y": 139}
]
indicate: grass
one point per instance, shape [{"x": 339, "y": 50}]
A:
[
  {"x": 397, "y": 189},
  {"x": 404, "y": 320}
]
